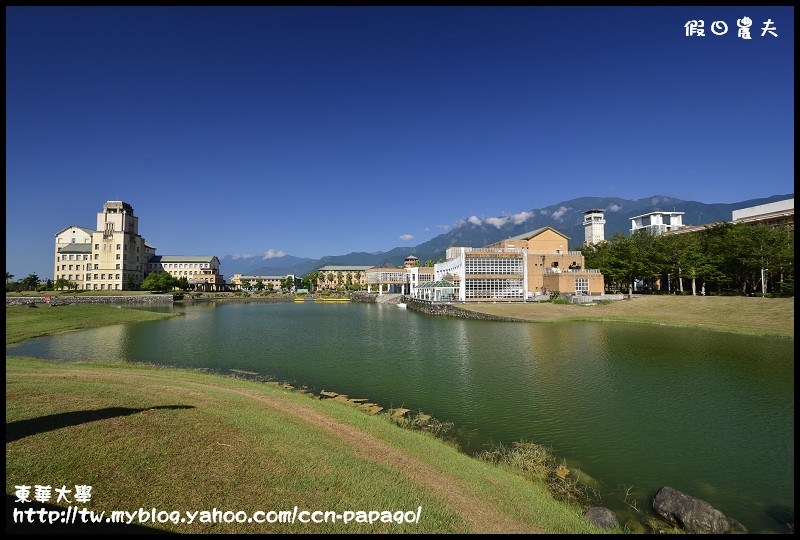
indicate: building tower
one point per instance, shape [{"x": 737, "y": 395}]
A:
[
  {"x": 113, "y": 256},
  {"x": 594, "y": 227},
  {"x": 118, "y": 253}
]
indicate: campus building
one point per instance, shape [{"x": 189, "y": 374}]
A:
[
  {"x": 516, "y": 269},
  {"x": 657, "y": 223},
  {"x": 268, "y": 283},
  {"x": 594, "y": 226},
  {"x": 114, "y": 256},
  {"x": 775, "y": 214},
  {"x": 333, "y": 276},
  {"x": 202, "y": 272},
  {"x": 110, "y": 257}
]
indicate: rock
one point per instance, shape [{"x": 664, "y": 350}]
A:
[
  {"x": 601, "y": 517},
  {"x": 693, "y": 515}
]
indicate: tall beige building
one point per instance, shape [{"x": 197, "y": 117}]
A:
[{"x": 113, "y": 256}]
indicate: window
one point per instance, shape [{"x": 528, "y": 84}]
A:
[
  {"x": 85, "y": 257},
  {"x": 96, "y": 256},
  {"x": 70, "y": 277},
  {"x": 118, "y": 256},
  {"x": 119, "y": 246},
  {"x": 95, "y": 276},
  {"x": 581, "y": 286},
  {"x": 117, "y": 276},
  {"x": 117, "y": 267},
  {"x": 102, "y": 276},
  {"x": 97, "y": 246},
  {"x": 97, "y": 267},
  {"x": 88, "y": 277},
  {"x": 71, "y": 257}
]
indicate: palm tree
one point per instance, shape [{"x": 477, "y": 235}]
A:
[{"x": 8, "y": 277}]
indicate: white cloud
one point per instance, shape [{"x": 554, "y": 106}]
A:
[
  {"x": 614, "y": 208},
  {"x": 445, "y": 228},
  {"x": 497, "y": 221},
  {"x": 475, "y": 220},
  {"x": 521, "y": 217},
  {"x": 271, "y": 254},
  {"x": 237, "y": 256},
  {"x": 406, "y": 236},
  {"x": 560, "y": 212}
]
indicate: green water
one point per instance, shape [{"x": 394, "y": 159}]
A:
[{"x": 634, "y": 407}]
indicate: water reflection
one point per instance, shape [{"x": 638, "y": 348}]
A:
[{"x": 636, "y": 407}]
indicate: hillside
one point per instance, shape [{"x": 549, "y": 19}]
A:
[{"x": 566, "y": 217}]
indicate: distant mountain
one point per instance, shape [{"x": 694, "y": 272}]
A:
[
  {"x": 566, "y": 217},
  {"x": 261, "y": 265}
]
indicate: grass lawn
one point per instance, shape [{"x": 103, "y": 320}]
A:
[
  {"x": 181, "y": 440},
  {"x": 761, "y": 316}
]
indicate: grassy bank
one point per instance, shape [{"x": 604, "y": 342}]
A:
[
  {"x": 23, "y": 322},
  {"x": 758, "y": 316},
  {"x": 148, "y": 437}
]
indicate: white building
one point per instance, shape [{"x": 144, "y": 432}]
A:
[
  {"x": 594, "y": 222},
  {"x": 657, "y": 222},
  {"x": 775, "y": 213}
]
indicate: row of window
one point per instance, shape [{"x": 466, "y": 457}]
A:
[
  {"x": 89, "y": 276},
  {"x": 71, "y": 258},
  {"x": 179, "y": 265},
  {"x": 493, "y": 266},
  {"x": 493, "y": 288}
]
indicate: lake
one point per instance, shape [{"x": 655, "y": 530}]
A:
[{"x": 633, "y": 407}]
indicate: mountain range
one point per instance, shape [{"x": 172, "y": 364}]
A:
[{"x": 566, "y": 217}]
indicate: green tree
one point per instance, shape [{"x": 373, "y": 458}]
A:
[
  {"x": 61, "y": 284},
  {"x": 30, "y": 282},
  {"x": 260, "y": 285},
  {"x": 245, "y": 284},
  {"x": 9, "y": 277},
  {"x": 159, "y": 282}
]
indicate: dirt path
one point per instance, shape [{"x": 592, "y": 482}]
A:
[{"x": 459, "y": 496}]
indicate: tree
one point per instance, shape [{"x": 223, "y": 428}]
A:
[
  {"x": 8, "y": 277},
  {"x": 159, "y": 282},
  {"x": 245, "y": 284},
  {"x": 30, "y": 281},
  {"x": 260, "y": 285},
  {"x": 61, "y": 284},
  {"x": 330, "y": 277}
]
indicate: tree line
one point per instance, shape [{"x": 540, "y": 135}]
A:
[{"x": 726, "y": 258}]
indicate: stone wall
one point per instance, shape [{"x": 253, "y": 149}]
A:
[
  {"x": 363, "y": 297},
  {"x": 451, "y": 310},
  {"x": 146, "y": 299}
]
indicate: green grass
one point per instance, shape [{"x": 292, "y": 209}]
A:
[
  {"x": 23, "y": 322},
  {"x": 737, "y": 314},
  {"x": 144, "y": 436}
]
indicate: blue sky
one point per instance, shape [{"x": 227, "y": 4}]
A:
[{"x": 315, "y": 131}]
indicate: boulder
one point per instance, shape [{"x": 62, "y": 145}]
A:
[
  {"x": 693, "y": 515},
  {"x": 601, "y": 517}
]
